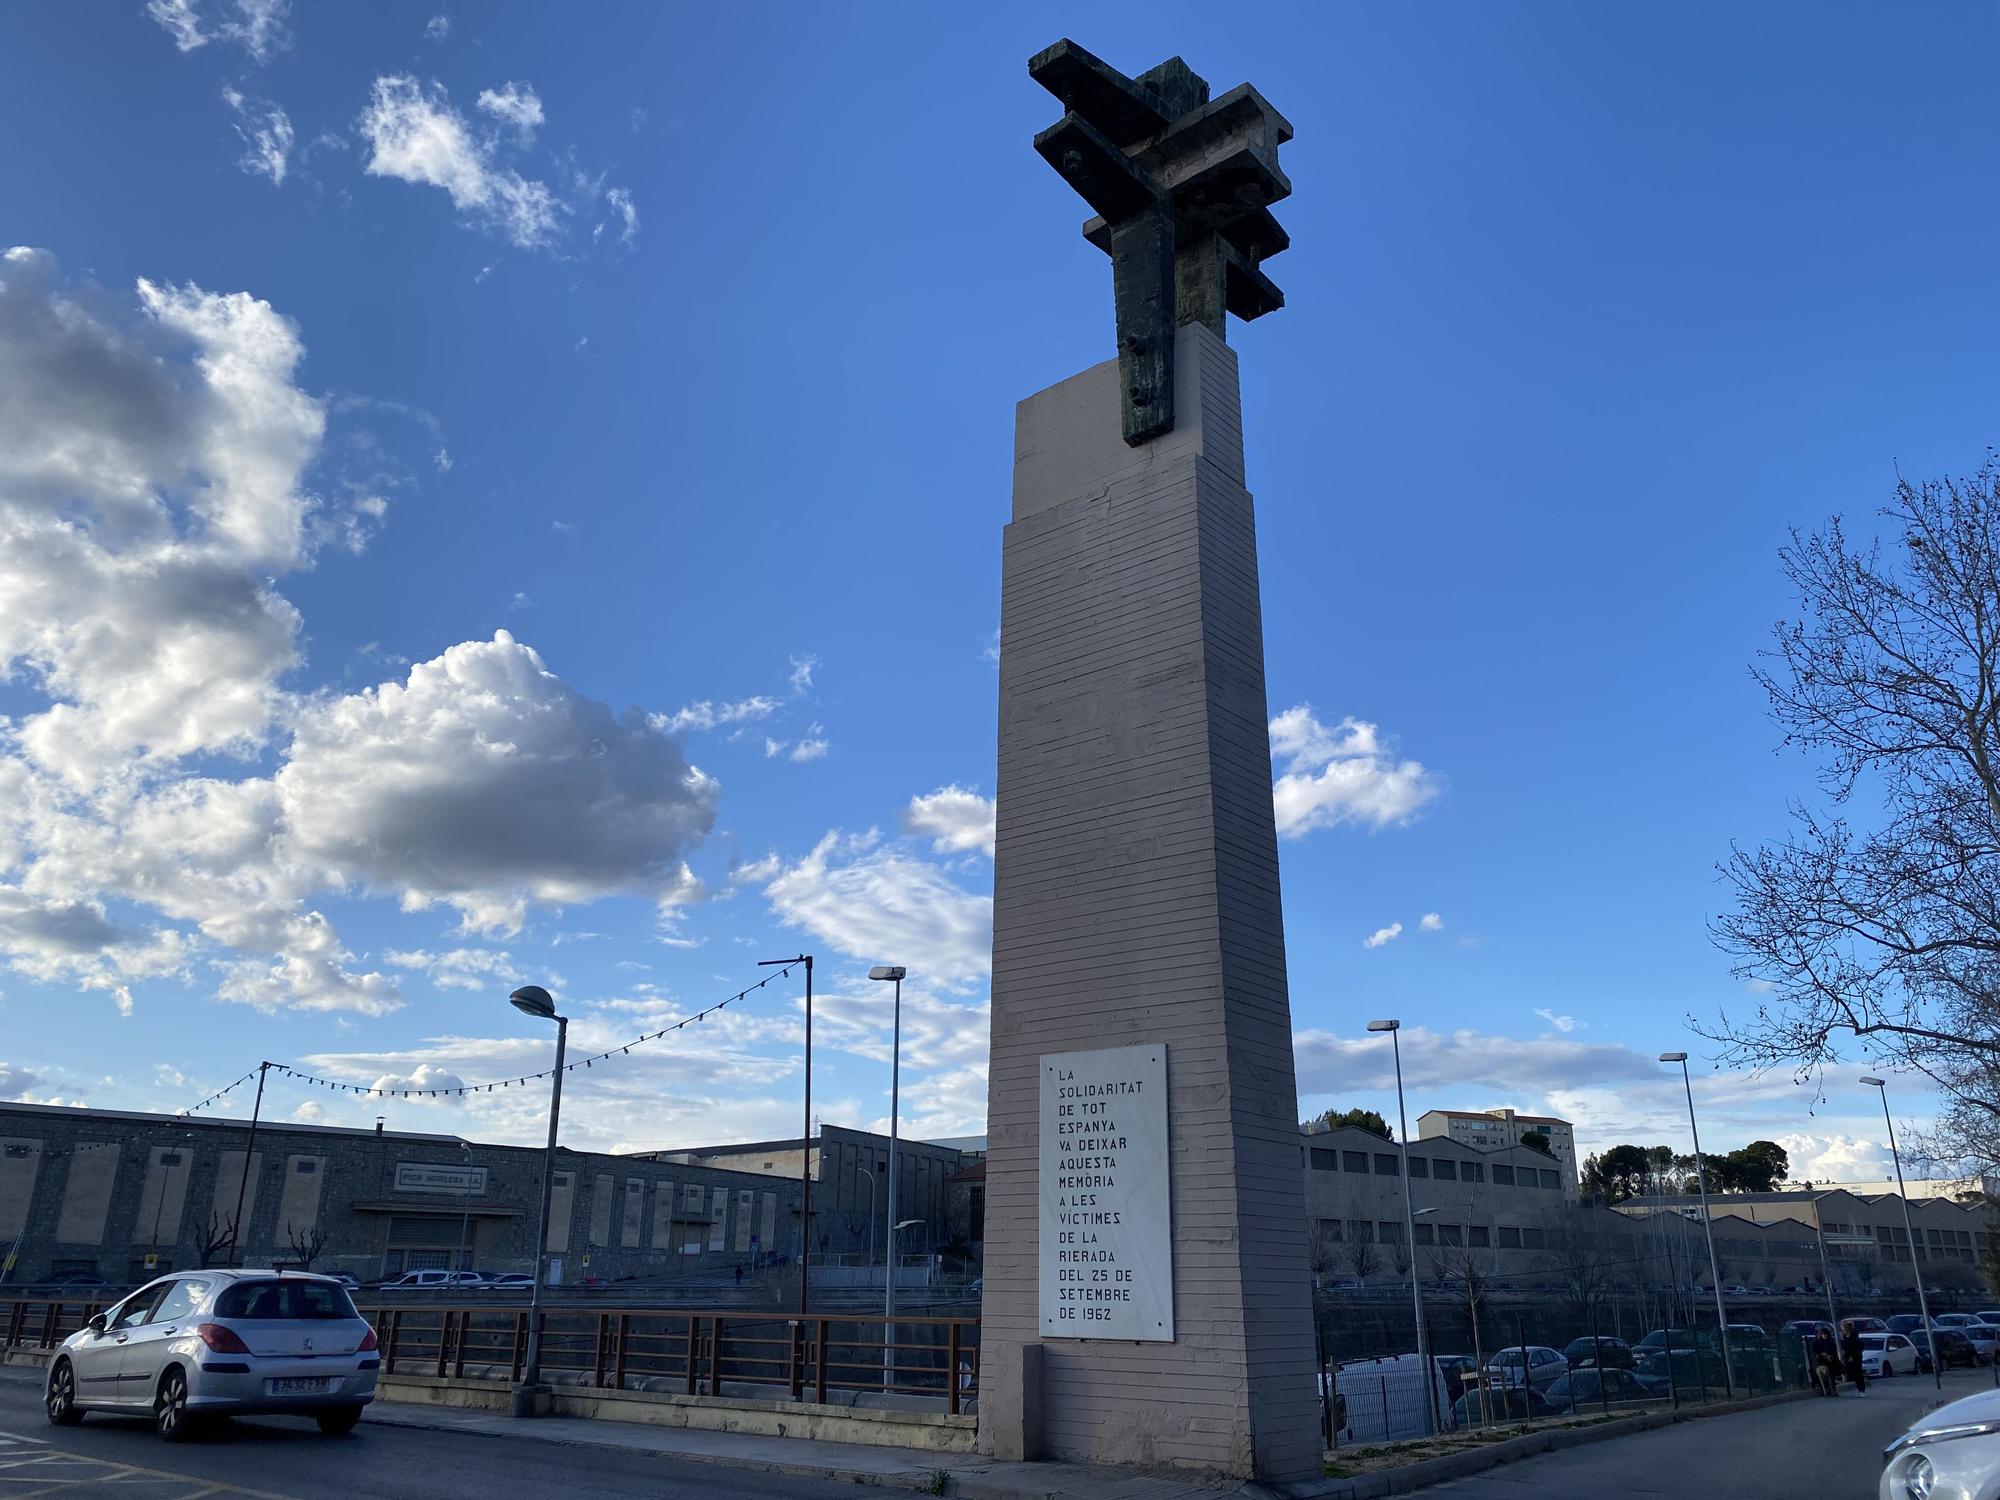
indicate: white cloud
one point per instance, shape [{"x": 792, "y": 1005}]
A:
[
  {"x": 458, "y": 969},
  {"x": 485, "y": 781},
  {"x": 813, "y": 746},
  {"x": 515, "y": 104},
  {"x": 706, "y": 714},
  {"x": 266, "y": 132},
  {"x": 1383, "y": 935},
  {"x": 1563, "y": 1024},
  {"x": 437, "y": 28},
  {"x": 1432, "y": 922},
  {"x": 15, "y": 1082},
  {"x": 258, "y": 26},
  {"x": 803, "y": 667},
  {"x": 621, "y": 203},
  {"x": 415, "y": 135},
  {"x": 1341, "y": 774},
  {"x": 875, "y": 903},
  {"x": 1836, "y": 1158},
  {"x": 954, "y": 818},
  {"x": 420, "y": 1079}
]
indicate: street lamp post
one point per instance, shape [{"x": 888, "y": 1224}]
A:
[
  {"x": 535, "y": 1001},
  {"x": 1394, "y": 1028},
  {"x": 893, "y": 973},
  {"x": 1707, "y": 1227},
  {"x": 464, "y": 1204},
  {"x": 1910, "y": 1231}
]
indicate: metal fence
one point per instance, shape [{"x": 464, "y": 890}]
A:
[{"x": 691, "y": 1351}]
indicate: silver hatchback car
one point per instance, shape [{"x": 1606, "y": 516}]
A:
[{"x": 202, "y": 1343}]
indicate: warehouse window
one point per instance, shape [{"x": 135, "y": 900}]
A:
[
  {"x": 1447, "y": 1170},
  {"x": 1385, "y": 1164},
  {"x": 1354, "y": 1161},
  {"x": 1510, "y": 1239},
  {"x": 1420, "y": 1166},
  {"x": 1472, "y": 1171},
  {"x": 1478, "y": 1238},
  {"x": 1325, "y": 1161},
  {"x": 1502, "y": 1176}
]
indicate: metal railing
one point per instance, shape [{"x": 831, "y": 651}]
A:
[{"x": 692, "y": 1351}]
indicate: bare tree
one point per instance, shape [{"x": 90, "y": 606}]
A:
[
  {"x": 1583, "y": 1252},
  {"x": 1362, "y": 1258},
  {"x": 215, "y": 1239},
  {"x": 1468, "y": 1272},
  {"x": 306, "y": 1244},
  {"x": 1885, "y": 929},
  {"x": 1323, "y": 1246}
]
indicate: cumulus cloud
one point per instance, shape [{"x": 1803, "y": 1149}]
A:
[
  {"x": 954, "y": 818},
  {"x": 15, "y": 1082},
  {"x": 414, "y": 135},
  {"x": 874, "y": 902},
  {"x": 1344, "y": 773},
  {"x": 486, "y": 781},
  {"x": 515, "y": 104},
  {"x": 1836, "y": 1158},
  {"x": 1383, "y": 935},
  {"x": 421, "y": 1080},
  {"x": 437, "y": 28},
  {"x": 266, "y": 132},
  {"x": 152, "y": 463},
  {"x": 1432, "y": 922}
]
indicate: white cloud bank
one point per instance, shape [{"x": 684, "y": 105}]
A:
[
  {"x": 257, "y": 26},
  {"x": 153, "y": 464},
  {"x": 414, "y": 135},
  {"x": 954, "y": 818}
]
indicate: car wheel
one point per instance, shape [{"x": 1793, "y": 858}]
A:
[
  {"x": 170, "y": 1413},
  {"x": 62, "y": 1407},
  {"x": 337, "y": 1421}
]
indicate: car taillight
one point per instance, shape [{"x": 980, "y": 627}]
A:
[
  {"x": 220, "y": 1339},
  {"x": 369, "y": 1342}
]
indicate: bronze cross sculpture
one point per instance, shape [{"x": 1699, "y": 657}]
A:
[{"x": 1182, "y": 186}]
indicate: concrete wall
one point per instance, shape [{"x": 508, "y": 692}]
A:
[{"x": 1136, "y": 900}]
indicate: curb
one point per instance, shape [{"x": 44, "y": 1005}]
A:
[
  {"x": 1430, "y": 1471},
  {"x": 880, "y": 1478}
]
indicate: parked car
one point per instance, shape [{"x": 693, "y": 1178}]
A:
[
  {"x": 1906, "y": 1322},
  {"x": 215, "y": 1343},
  {"x": 1954, "y": 1450},
  {"x": 1949, "y": 1345},
  {"x": 1805, "y": 1328},
  {"x": 1985, "y": 1340},
  {"x": 1598, "y": 1352},
  {"x": 1687, "y": 1369},
  {"x": 512, "y": 1281},
  {"x": 1535, "y": 1366},
  {"x": 1952, "y": 1320},
  {"x": 1886, "y": 1354},
  {"x": 1992, "y": 1318},
  {"x": 1866, "y": 1325},
  {"x": 1679, "y": 1338},
  {"x": 1591, "y": 1389},
  {"x": 1515, "y": 1405}
]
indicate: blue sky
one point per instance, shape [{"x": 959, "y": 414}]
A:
[{"x": 507, "y": 494}]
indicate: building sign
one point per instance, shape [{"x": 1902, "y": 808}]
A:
[
  {"x": 420, "y": 1177},
  {"x": 1107, "y": 1261}
]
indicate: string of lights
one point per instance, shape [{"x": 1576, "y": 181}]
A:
[
  {"x": 219, "y": 1094},
  {"x": 371, "y": 1091}
]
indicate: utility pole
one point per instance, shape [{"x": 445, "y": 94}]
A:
[
  {"x": 249, "y": 1150},
  {"x": 805, "y": 1142}
]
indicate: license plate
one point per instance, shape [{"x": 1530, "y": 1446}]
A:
[{"x": 299, "y": 1386}]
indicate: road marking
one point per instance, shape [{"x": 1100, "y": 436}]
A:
[
  {"x": 15, "y": 1470},
  {"x": 22, "y": 1437}
]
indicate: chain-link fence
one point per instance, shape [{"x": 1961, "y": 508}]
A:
[{"x": 1514, "y": 1366}]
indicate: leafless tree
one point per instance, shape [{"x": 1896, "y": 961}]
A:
[
  {"x": 1362, "y": 1257},
  {"x": 1468, "y": 1272},
  {"x": 1583, "y": 1252},
  {"x": 215, "y": 1240},
  {"x": 1323, "y": 1246},
  {"x": 1884, "y": 929},
  {"x": 306, "y": 1244}
]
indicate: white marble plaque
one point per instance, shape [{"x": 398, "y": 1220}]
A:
[{"x": 1107, "y": 1256}]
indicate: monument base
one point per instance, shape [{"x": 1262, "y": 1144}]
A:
[{"x": 1136, "y": 904}]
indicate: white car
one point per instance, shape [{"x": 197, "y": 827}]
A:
[
  {"x": 1886, "y": 1354},
  {"x": 219, "y": 1343},
  {"x": 1952, "y": 1453}
]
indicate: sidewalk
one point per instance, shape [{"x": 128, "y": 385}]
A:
[{"x": 963, "y": 1474}]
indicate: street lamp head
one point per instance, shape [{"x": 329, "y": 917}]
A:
[
  {"x": 533, "y": 1000},
  {"x": 1385, "y": 1025},
  {"x": 1679, "y": 1057},
  {"x": 908, "y": 1223},
  {"x": 887, "y": 971},
  {"x": 1422, "y": 1211},
  {"x": 1875, "y": 1083}
]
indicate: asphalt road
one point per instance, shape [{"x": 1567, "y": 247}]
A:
[
  {"x": 280, "y": 1458},
  {"x": 1828, "y": 1450}
]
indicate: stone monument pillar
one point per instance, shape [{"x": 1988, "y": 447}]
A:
[{"x": 1146, "y": 1288}]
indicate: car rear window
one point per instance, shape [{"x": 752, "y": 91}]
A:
[{"x": 281, "y": 1301}]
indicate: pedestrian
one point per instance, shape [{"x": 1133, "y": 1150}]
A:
[
  {"x": 739, "y": 1273},
  {"x": 1824, "y": 1355},
  {"x": 1850, "y": 1356}
]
